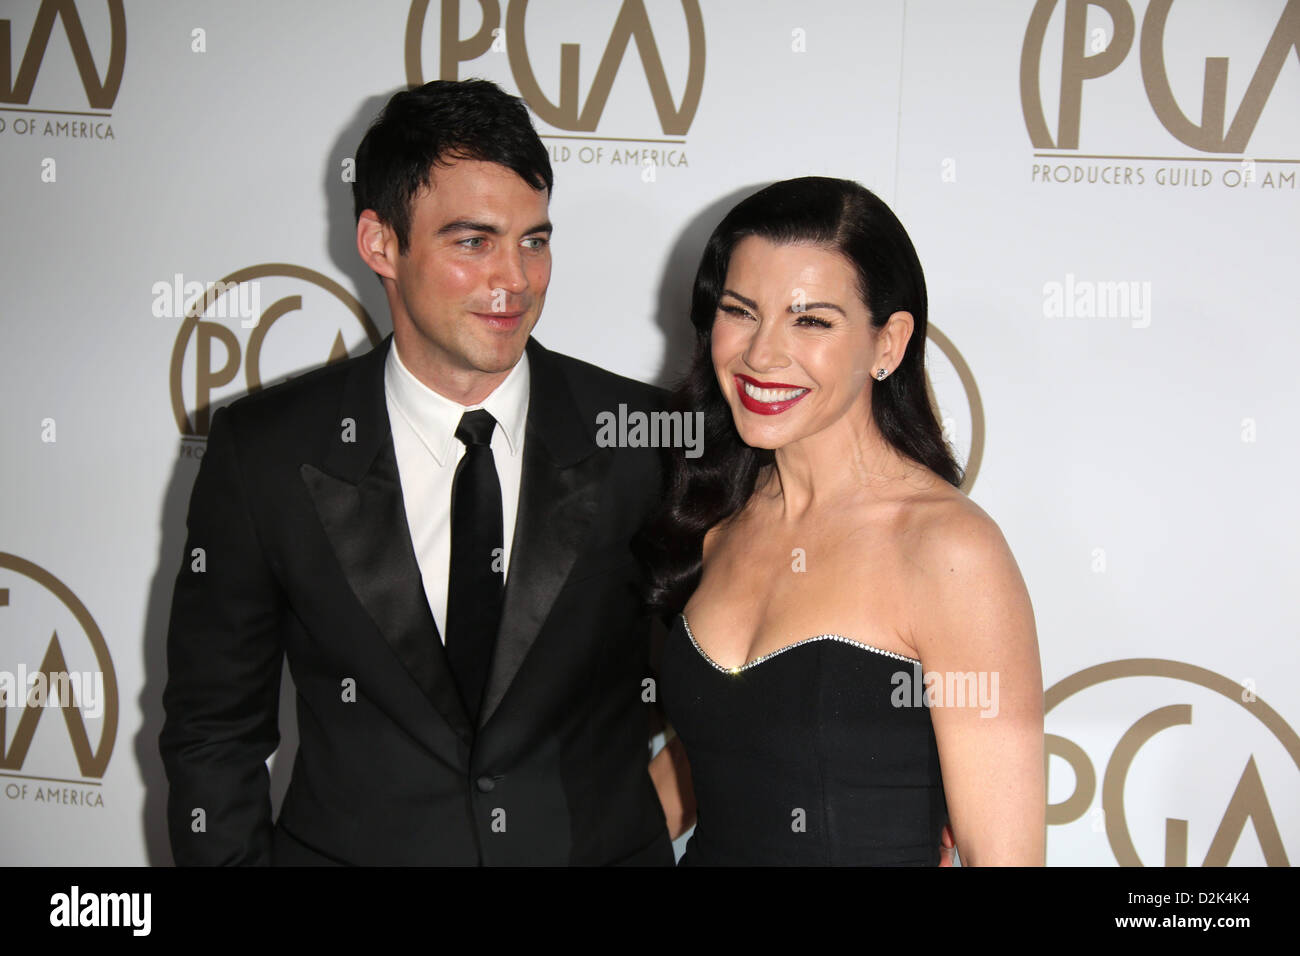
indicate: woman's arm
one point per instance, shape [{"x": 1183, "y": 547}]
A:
[
  {"x": 975, "y": 634},
  {"x": 671, "y": 775}
]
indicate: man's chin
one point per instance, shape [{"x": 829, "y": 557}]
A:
[{"x": 503, "y": 354}]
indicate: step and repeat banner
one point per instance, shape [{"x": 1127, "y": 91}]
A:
[{"x": 1103, "y": 195}]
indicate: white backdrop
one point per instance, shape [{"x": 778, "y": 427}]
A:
[{"x": 1113, "y": 329}]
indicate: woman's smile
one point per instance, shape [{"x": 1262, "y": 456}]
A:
[{"x": 767, "y": 398}]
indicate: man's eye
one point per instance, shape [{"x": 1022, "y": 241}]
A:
[
  {"x": 473, "y": 242},
  {"x": 537, "y": 242}
]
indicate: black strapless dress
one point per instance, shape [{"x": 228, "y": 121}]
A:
[{"x": 800, "y": 757}]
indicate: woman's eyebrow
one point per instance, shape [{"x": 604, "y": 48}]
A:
[
  {"x": 808, "y": 306},
  {"x": 795, "y": 307}
]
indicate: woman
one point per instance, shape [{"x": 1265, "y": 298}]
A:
[{"x": 853, "y": 662}]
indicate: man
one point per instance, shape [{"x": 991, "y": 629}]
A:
[{"x": 359, "y": 522}]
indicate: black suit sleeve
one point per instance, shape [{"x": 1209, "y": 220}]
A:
[{"x": 224, "y": 660}]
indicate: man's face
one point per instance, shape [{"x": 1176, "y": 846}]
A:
[{"x": 470, "y": 286}]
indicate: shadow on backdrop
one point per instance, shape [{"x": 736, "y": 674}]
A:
[
  {"x": 674, "y": 314},
  {"x": 346, "y": 264}
]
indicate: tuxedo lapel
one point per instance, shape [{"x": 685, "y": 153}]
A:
[
  {"x": 558, "y": 497},
  {"x": 357, "y": 493}
]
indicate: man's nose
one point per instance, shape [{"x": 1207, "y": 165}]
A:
[{"x": 508, "y": 272}]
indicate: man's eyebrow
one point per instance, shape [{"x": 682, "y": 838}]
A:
[
  {"x": 471, "y": 225},
  {"x": 794, "y": 306}
]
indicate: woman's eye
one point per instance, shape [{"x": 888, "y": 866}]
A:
[
  {"x": 813, "y": 322},
  {"x": 737, "y": 312}
]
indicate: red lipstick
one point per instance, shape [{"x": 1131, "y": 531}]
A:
[{"x": 765, "y": 408}]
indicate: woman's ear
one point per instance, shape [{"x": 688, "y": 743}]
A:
[{"x": 892, "y": 339}]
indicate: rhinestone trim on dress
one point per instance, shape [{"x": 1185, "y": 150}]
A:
[{"x": 789, "y": 647}]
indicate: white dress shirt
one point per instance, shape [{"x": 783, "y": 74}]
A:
[{"x": 424, "y": 439}]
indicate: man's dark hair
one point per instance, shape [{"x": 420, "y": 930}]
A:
[{"x": 437, "y": 124}]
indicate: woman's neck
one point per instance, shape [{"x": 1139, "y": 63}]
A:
[{"x": 849, "y": 462}]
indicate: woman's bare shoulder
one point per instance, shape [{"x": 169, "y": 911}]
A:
[
  {"x": 967, "y": 589},
  {"x": 944, "y": 528},
  {"x": 722, "y": 532},
  {"x": 959, "y": 565},
  {"x": 734, "y": 527}
]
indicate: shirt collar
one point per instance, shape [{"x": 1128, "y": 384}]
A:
[{"x": 434, "y": 418}]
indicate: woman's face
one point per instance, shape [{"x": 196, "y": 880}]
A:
[{"x": 792, "y": 342}]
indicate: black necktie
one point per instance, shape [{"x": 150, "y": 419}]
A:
[{"x": 477, "y": 570}]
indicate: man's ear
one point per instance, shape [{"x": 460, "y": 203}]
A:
[{"x": 377, "y": 244}]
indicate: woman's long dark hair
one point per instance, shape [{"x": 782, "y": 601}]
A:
[{"x": 700, "y": 492}]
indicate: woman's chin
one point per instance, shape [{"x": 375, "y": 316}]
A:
[{"x": 769, "y": 438}]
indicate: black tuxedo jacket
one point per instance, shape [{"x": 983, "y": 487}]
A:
[{"x": 306, "y": 555}]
